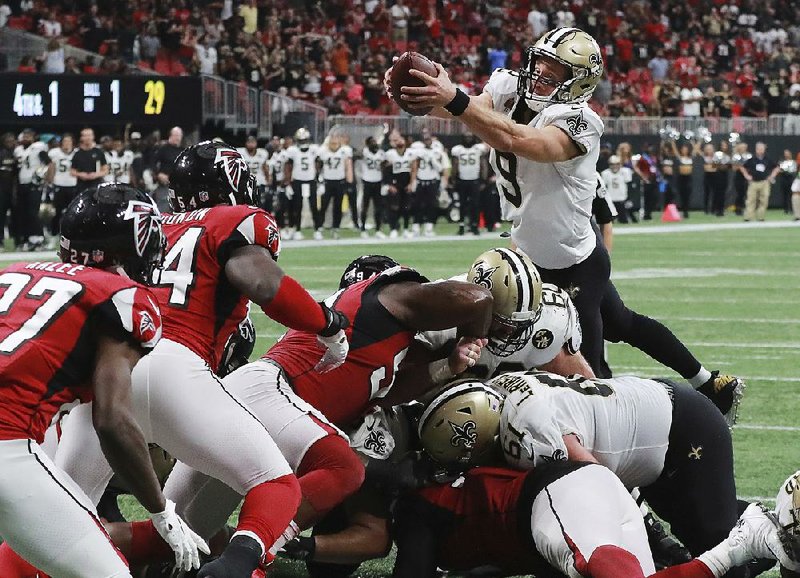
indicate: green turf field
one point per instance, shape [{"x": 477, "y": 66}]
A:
[{"x": 731, "y": 294}]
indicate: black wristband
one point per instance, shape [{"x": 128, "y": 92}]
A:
[{"x": 459, "y": 104}]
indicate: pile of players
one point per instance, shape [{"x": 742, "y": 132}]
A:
[{"x": 144, "y": 314}]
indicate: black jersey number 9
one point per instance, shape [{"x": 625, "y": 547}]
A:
[{"x": 509, "y": 173}]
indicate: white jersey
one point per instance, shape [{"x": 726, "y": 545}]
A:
[
  {"x": 549, "y": 204},
  {"x": 469, "y": 160},
  {"x": 617, "y": 183},
  {"x": 63, "y": 164},
  {"x": 624, "y": 421},
  {"x": 304, "y": 162},
  {"x": 372, "y": 165},
  {"x": 334, "y": 162},
  {"x": 430, "y": 165},
  {"x": 29, "y": 160},
  {"x": 119, "y": 167},
  {"x": 557, "y": 326},
  {"x": 255, "y": 163},
  {"x": 401, "y": 163},
  {"x": 276, "y": 162}
]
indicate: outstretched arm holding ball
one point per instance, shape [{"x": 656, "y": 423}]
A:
[{"x": 547, "y": 145}]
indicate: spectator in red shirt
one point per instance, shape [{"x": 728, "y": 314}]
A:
[
  {"x": 340, "y": 60},
  {"x": 624, "y": 50}
]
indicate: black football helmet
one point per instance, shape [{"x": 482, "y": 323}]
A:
[
  {"x": 110, "y": 225},
  {"x": 208, "y": 174},
  {"x": 365, "y": 267}
]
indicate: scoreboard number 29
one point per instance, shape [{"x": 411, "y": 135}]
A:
[{"x": 156, "y": 93}]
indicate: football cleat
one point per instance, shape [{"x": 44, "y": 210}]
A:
[
  {"x": 756, "y": 535},
  {"x": 787, "y": 510},
  {"x": 667, "y": 551},
  {"x": 726, "y": 392}
]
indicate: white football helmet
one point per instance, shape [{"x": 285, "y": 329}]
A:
[
  {"x": 303, "y": 138},
  {"x": 574, "y": 49}
]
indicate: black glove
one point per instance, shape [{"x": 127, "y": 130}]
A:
[
  {"x": 300, "y": 548},
  {"x": 336, "y": 320},
  {"x": 414, "y": 471}
]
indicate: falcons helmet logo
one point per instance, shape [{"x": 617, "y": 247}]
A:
[
  {"x": 145, "y": 217},
  {"x": 232, "y": 164}
]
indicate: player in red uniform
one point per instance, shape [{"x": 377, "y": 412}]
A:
[
  {"x": 221, "y": 253},
  {"x": 302, "y": 408},
  {"x": 71, "y": 332}
]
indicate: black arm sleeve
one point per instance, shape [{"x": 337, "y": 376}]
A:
[{"x": 416, "y": 538}]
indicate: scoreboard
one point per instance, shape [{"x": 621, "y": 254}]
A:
[{"x": 66, "y": 99}]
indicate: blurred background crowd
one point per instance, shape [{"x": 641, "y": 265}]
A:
[{"x": 697, "y": 58}]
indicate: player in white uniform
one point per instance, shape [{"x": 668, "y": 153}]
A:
[
  {"x": 545, "y": 144},
  {"x": 32, "y": 160},
  {"x": 425, "y": 201},
  {"x": 467, "y": 160},
  {"x": 402, "y": 180},
  {"x": 59, "y": 174},
  {"x": 337, "y": 172},
  {"x": 256, "y": 159},
  {"x": 658, "y": 435},
  {"x": 120, "y": 163},
  {"x": 616, "y": 178},
  {"x": 373, "y": 159},
  {"x": 277, "y": 186},
  {"x": 300, "y": 171}
]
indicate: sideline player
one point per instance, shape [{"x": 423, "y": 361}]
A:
[
  {"x": 220, "y": 255},
  {"x": 65, "y": 185},
  {"x": 545, "y": 144},
  {"x": 304, "y": 409},
  {"x": 373, "y": 158},
  {"x": 256, "y": 159},
  {"x": 425, "y": 200},
  {"x": 78, "y": 344},
  {"x": 337, "y": 173},
  {"x": 467, "y": 162},
  {"x": 300, "y": 170}
]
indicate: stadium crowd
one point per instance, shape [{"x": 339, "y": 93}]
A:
[{"x": 672, "y": 58}]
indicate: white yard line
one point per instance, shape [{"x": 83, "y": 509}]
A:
[
  {"x": 782, "y": 321},
  {"x": 620, "y": 230},
  {"x": 759, "y": 427}
]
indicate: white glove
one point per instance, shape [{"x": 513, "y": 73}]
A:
[
  {"x": 289, "y": 191},
  {"x": 183, "y": 541},
  {"x": 336, "y": 349}
]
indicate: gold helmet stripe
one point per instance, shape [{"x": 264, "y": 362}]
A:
[
  {"x": 523, "y": 279},
  {"x": 558, "y": 35},
  {"x": 451, "y": 393}
]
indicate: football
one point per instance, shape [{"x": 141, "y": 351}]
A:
[{"x": 401, "y": 76}]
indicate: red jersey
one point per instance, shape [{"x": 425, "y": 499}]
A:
[
  {"x": 201, "y": 308},
  {"x": 49, "y": 318},
  {"x": 485, "y": 527},
  {"x": 378, "y": 343},
  {"x": 486, "y": 520}
]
